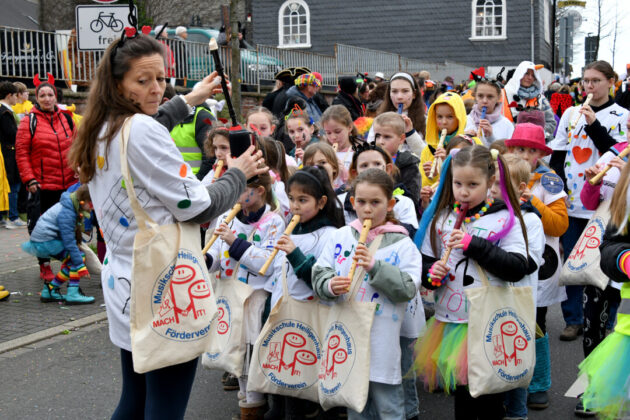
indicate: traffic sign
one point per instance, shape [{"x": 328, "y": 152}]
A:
[{"x": 99, "y": 26}]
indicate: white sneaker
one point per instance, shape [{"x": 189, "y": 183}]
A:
[{"x": 14, "y": 224}]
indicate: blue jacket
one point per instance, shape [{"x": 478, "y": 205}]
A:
[
  {"x": 313, "y": 110},
  {"x": 60, "y": 222}
]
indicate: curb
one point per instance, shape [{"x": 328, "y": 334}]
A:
[{"x": 50, "y": 332}]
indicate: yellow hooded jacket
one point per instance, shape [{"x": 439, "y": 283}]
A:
[
  {"x": 23, "y": 108},
  {"x": 433, "y": 133}
]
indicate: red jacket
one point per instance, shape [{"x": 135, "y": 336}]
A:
[{"x": 45, "y": 156}]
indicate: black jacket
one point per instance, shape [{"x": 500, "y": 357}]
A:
[
  {"x": 279, "y": 103},
  {"x": 407, "y": 163},
  {"x": 623, "y": 98},
  {"x": 611, "y": 248},
  {"x": 270, "y": 98},
  {"x": 508, "y": 266},
  {"x": 321, "y": 101},
  {"x": 8, "y": 131},
  {"x": 351, "y": 103}
]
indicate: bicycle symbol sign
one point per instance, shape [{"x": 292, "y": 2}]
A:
[
  {"x": 106, "y": 20},
  {"x": 98, "y": 26}
]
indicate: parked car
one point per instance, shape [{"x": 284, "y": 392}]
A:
[{"x": 200, "y": 62}]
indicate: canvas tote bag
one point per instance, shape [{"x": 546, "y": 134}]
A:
[
  {"x": 172, "y": 301},
  {"x": 344, "y": 375},
  {"x": 286, "y": 354},
  {"x": 582, "y": 266},
  {"x": 226, "y": 350},
  {"x": 501, "y": 337}
]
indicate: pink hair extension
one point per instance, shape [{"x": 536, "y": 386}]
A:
[{"x": 501, "y": 234}]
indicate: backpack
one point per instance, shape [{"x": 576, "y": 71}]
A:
[{"x": 32, "y": 119}]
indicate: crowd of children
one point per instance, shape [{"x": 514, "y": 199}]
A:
[
  {"x": 412, "y": 175},
  {"x": 458, "y": 196}
]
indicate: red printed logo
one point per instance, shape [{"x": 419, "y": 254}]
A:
[
  {"x": 338, "y": 360},
  {"x": 221, "y": 328},
  {"x": 287, "y": 353},
  {"x": 176, "y": 295},
  {"x": 591, "y": 239},
  {"x": 505, "y": 340}
]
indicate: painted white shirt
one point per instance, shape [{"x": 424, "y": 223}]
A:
[
  {"x": 167, "y": 190},
  {"x": 310, "y": 244},
  {"x": 581, "y": 151},
  {"x": 536, "y": 247},
  {"x": 502, "y": 129},
  {"x": 549, "y": 290},
  {"x": 280, "y": 194},
  {"x": 268, "y": 230},
  {"x": 451, "y": 304},
  {"x": 385, "y": 333}
]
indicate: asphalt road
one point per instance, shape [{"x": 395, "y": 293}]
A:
[{"x": 77, "y": 376}]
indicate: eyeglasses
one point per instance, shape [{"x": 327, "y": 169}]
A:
[{"x": 594, "y": 82}]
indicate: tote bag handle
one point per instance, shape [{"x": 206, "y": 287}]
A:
[{"x": 142, "y": 218}]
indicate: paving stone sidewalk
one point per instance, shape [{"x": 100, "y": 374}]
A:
[{"x": 23, "y": 313}]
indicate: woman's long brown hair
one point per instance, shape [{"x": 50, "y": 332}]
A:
[{"x": 106, "y": 105}]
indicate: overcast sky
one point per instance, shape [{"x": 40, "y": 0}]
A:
[{"x": 589, "y": 24}]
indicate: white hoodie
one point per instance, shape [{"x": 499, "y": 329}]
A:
[{"x": 511, "y": 90}]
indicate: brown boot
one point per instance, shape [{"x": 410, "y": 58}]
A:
[
  {"x": 571, "y": 332},
  {"x": 253, "y": 411}
]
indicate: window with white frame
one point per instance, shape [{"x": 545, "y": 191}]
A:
[
  {"x": 488, "y": 19},
  {"x": 294, "y": 27}
]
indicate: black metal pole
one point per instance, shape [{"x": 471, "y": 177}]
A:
[
  {"x": 228, "y": 101},
  {"x": 553, "y": 38}
]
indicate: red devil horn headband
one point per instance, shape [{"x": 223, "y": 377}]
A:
[{"x": 37, "y": 82}]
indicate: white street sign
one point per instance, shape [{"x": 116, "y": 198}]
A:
[{"x": 98, "y": 26}]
